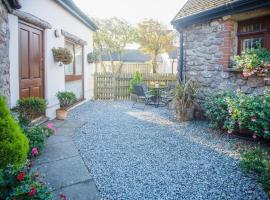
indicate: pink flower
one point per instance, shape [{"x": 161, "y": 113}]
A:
[
  {"x": 254, "y": 136},
  {"x": 229, "y": 131},
  {"x": 34, "y": 151},
  {"x": 253, "y": 118},
  {"x": 50, "y": 125}
]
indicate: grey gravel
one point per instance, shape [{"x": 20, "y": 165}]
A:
[{"x": 145, "y": 154}]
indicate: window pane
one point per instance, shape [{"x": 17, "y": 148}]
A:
[
  {"x": 252, "y": 43},
  {"x": 78, "y": 59},
  {"x": 253, "y": 27},
  {"x": 69, "y": 68}
]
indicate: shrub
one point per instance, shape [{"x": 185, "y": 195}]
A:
[
  {"x": 13, "y": 143},
  {"x": 36, "y": 137},
  {"x": 66, "y": 99},
  {"x": 257, "y": 161},
  {"x": 254, "y": 61},
  {"x": 19, "y": 183},
  {"x": 31, "y": 108},
  {"x": 249, "y": 113},
  {"x": 215, "y": 109},
  {"x": 137, "y": 79}
]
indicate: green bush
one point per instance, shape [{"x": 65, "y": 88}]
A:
[
  {"x": 36, "y": 137},
  {"x": 19, "y": 183},
  {"x": 216, "y": 109},
  {"x": 137, "y": 79},
  {"x": 249, "y": 113},
  {"x": 31, "y": 108},
  {"x": 66, "y": 99},
  {"x": 13, "y": 143},
  {"x": 257, "y": 161}
]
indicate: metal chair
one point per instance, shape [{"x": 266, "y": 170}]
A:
[{"x": 143, "y": 95}]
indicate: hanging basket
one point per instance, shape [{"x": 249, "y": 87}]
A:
[{"x": 62, "y": 56}]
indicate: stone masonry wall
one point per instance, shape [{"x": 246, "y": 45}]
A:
[
  {"x": 208, "y": 53},
  {"x": 4, "y": 52}
]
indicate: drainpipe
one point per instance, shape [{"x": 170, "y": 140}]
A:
[{"x": 181, "y": 58}]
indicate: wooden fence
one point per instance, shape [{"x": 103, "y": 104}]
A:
[{"x": 109, "y": 86}]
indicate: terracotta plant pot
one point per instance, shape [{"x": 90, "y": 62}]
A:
[{"x": 61, "y": 114}]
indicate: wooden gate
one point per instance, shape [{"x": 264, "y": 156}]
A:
[{"x": 109, "y": 86}]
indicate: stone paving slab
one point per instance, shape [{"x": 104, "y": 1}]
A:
[
  {"x": 58, "y": 139},
  {"x": 73, "y": 124},
  {"x": 63, "y": 173},
  {"x": 81, "y": 191},
  {"x": 54, "y": 152},
  {"x": 64, "y": 131}
]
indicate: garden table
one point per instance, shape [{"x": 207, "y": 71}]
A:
[{"x": 156, "y": 89}]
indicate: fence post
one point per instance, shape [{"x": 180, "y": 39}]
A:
[{"x": 114, "y": 85}]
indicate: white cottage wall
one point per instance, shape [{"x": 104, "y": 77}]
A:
[{"x": 59, "y": 18}]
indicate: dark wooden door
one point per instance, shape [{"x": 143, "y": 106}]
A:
[{"x": 31, "y": 61}]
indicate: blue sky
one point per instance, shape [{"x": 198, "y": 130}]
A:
[{"x": 132, "y": 10}]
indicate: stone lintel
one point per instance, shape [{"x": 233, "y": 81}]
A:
[{"x": 29, "y": 18}]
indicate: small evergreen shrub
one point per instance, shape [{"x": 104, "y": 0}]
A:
[
  {"x": 215, "y": 109},
  {"x": 21, "y": 184},
  {"x": 137, "y": 79},
  {"x": 66, "y": 99},
  {"x": 31, "y": 108},
  {"x": 13, "y": 143},
  {"x": 257, "y": 161}
]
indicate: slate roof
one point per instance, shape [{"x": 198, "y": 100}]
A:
[
  {"x": 196, "y": 6},
  {"x": 130, "y": 55}
]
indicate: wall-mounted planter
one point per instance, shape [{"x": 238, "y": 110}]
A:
[
  {"x": 62, "y": 56},
  {"x": 92, "y": 57}
]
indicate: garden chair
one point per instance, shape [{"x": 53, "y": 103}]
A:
[{"x": 143, "y": 95}]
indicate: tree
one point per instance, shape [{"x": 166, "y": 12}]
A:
[
  {"x": 154, "y": 38},
  {"x": 112, "y": 37}
]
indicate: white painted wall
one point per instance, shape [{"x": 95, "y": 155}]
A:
[{"x": 59, "y": 18}]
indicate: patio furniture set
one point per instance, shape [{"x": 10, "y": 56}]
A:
[{"x": 156, "y": 95}]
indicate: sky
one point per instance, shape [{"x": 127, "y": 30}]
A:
[{"x": 132, "y": 11}]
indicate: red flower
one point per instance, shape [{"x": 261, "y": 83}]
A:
[
  {"x": 20, "y": 176},
  {"x": 32, "y": 192},
  {"x": 63, "y": 197}
]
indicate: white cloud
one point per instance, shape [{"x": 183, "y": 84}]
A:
[{"x": 132, "y": 10}]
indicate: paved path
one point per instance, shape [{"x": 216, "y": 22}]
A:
[
  {"x": 62, "y": 167},
  {"x": 145, "y": 154}
]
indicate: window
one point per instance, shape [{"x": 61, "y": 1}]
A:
[
  {"x": 74, "y": 71},
  {"x": 253, "y": 33}
]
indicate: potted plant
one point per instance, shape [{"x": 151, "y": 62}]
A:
[
  {"x": 66, "y": 99},
  {"x": 137, "y": 79},
  {"x": 185, "y": 101},
  {"x": 62, "y": 56},
  {"x": 92, "y": 57}
]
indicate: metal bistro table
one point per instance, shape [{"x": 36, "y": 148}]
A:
[{"x": 156, "y": 98}]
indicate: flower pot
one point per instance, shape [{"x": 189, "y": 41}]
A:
[{"x": 61, "y": 114}]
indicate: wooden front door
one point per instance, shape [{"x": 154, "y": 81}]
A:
[{"x": 31, "y": 61}]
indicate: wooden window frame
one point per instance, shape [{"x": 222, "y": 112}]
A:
[
  {"x": 75, "y": 77},
  {"x": 248, "y": 35}
]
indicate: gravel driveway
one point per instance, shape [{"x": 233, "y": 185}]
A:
[{"x": 136, "y": 154}]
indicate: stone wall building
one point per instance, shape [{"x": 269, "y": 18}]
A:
[{"x": 212, "y": 32}]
